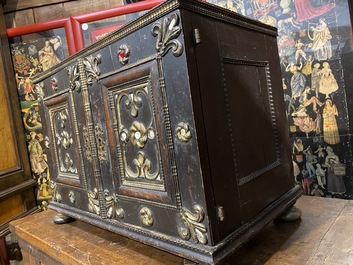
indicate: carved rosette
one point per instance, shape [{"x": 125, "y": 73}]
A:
[
  {"x": 113, "y": 208},
  {"x": 193, "y": 227},
  {"x": 166, "y": 32},
  {"x": 138, "y": 134},
  {"x": 146, "y": 216},
  {"x": 183, "y": 132}
]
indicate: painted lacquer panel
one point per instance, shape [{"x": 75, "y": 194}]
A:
[{"x": 33, "y": 54}]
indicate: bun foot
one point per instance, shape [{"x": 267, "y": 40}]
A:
[
  {"x": 62, "y": 219},
  {"x": 290, "y": 215}
]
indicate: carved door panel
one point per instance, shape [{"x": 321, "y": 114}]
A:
[
  {"x": 143, "y": 152},
  {"x": 64, "y": 146}
]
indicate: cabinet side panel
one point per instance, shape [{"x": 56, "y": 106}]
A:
[{"x": 244, "y": 119}]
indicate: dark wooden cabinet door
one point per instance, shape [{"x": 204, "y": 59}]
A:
[{"x": 16, "y": 184}]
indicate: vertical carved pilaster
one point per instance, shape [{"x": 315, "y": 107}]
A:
[
  {"x": 168, "y": 131},
  {"x": 166, "y": 32},
  {"x": 79, "y": 147},
  {"x": 88, "y": 70}
]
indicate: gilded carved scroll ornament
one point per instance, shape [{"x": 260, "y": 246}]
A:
[
  {"x": 143, "y": 168},
  {"x": 193, "y": 227},
  {"x": 112, "y": 205},
  {"x": 93, "y": 200},
  {"x": 74, "y": 77}
]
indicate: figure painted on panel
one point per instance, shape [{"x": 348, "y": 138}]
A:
[
  {"x": 299, "y": 52},
  {"x": 328, "y": 83},
  {"x": 330, "y": 128},
  {"x": 29, "y": 86},
  {"x": 312, "y": 100},
  {"x": 296, "y": 171},
  {"x": 320, "y": 176},
  {"x": 37, "y": 157},
  {"x": 321, "y": 41},
  {"x": 303, "y": 121},
  {"x": 291, "y": 102},
  {"x": 320, "y": 153},
  {"x": 20, "y": 84},
  {"x": 44, "y": 189},
  {"x": 316, "y": 191},
  {"x": 335, "y": 171},
  {"x": 47, "y": 56},
  {"x": 311, "y": 159},
  {"x": 305, "y": 181},
  {"x": 306, "y": 11},
  {"x": 315, "y": 79},
  {"x": 297, "y": 81},
  {"x": 307, "y": 68},
  {"x": 318, "y": 122}
]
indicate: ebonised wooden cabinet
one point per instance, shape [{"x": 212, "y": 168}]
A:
[{"x": 172, "y": 131}]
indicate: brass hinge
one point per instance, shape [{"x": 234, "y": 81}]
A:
[
  {"x": 197, "y": 36},
  {"x": 220, "y": 213}
]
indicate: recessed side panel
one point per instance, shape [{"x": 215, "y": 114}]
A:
[{"x": 255, "y": 122}]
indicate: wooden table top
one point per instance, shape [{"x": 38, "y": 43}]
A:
[{"x": 322, "y": 237}]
